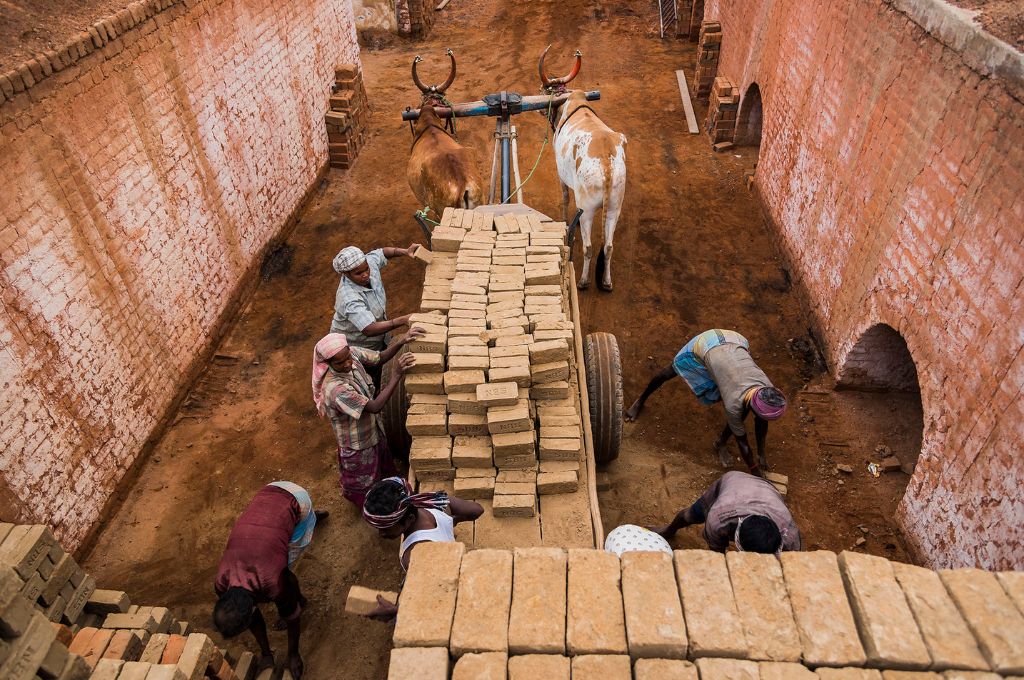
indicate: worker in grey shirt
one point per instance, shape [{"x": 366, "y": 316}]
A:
[
  {"x": 360, "y": 305},
  {"x": 718, "y": 367},
  {"x": 740, "y": 508}
]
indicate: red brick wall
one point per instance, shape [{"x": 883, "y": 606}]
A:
[
  {"x": 892, "y": 166},
  {"x": 141, "y": 186}
]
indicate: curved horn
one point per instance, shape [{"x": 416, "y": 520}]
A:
[
  {"x": 564, "y": 80},
  {"x": 451, "y": 76},
  {"x": 415, "y": 76},
  {"x": 545, "y": 81}
]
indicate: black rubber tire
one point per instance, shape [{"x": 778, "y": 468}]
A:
[
  {"x": 394, "y": 414},
  {"x": 604, "y": 387}
]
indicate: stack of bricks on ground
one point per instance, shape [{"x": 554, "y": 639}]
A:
[
  {"x": 709, "y": 44},
  {"x": 55, "y": 624},
  {"x": 496, "y": 359},
  {"x": 346, "y": 120},
  {"x": 547, "y": 612},
  {"x": 722, "y": 110}
]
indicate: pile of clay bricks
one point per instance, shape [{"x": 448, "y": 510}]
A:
[
  {"x": 347, "y": 117},
  {"x": 587, "y": 614},
  {"x": 492, "y": 409},
  {"x": 709, "y": 45},
  {"x": 56, "y": 625},
  {"x": 722, "y": 109}
]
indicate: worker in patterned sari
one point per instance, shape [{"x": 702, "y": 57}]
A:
[
  {"x": 344, "y": 392},
  {"x": 718, "y": 367}
]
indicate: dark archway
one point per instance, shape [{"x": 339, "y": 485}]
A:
[{"x": 748, "y": 122}]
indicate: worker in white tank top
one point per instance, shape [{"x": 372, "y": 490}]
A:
[{"x": 395, "y": 512}]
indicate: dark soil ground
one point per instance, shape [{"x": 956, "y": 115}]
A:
[{"x": 692, "y": 252}]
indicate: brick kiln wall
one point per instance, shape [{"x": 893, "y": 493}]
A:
[
  {"x": 892, "y": 165},
  {"x": 141, "y": 186}
]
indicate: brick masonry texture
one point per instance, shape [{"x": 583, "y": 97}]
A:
[
  {"x": 142, "y": 184},
  {"x": 894, "y": 185}
]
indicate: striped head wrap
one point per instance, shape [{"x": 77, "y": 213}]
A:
[
  {"x": 769, "y": 403},
  {"x": 436, "y": 500},
  {"x": 325, "y": 349}
]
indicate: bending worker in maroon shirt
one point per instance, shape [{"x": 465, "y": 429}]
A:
[{"x": 268, "y": 538}]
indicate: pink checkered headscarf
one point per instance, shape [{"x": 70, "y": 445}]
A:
[
  {"x": 435, "y": 500},
  {"x": 329, "y": 345}
]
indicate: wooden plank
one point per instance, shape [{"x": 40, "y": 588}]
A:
[{"x": 691, "y": 119}]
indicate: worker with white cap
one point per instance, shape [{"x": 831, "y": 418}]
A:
[{"x": 360, "y": 306}]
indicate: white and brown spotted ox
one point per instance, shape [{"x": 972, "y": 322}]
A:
[
  {"x": 591, "y": 160},
  {"x": 441, "y": 171}
]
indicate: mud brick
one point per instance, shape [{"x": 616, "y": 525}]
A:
[
  {"x": 427, "y": 304},
  {"x": 727, "y": 669},
  {"x": 431, "y": 453},
  {"x": 506, "y": 339},
  {"x": 505, "y": 286},
  {"x": 426, "y": 363},
  {"x": 108, "y": 602},
  {"x": 765, "y": 614},
  {"x": 571, "y": 421},
  {"x": 537, "y": 618},
  {"x": 468, "y": 288},
  {"x": 425, "y": 409},
  {"x": 550, "y": 466},
  {"x": 549, "y": 351},
  {"x": 559, "y": 449},
  {"x": 471, "y": 314},
  {"x": 887, "y": 628},
  {"x": 196, "y": 655},
  {"x": 519, "y": 374},
  {"x": 508, "y": 505},
  {"x": 82, "y": 640},
  {"x": 780, "y": 670},
  {"x": 519, "y": 323},
  {"x": 518, "y": 488},
  {"x": 664, "y": 669},
  {"x": 497, "y": 393},
  {"x": 467, "y": 424},
  {"x": 478, "y": 308},
  {"x": 595, "y": 621},
  {"x": 427, "y": 424},
  {"x": 711, "y": 617},
  {"x": 517, "y": 476},
  {"x": 468, "y": 472},
  {"x": 55, "y": 611},
  {"x": 107, "y": 669},
  {"x": 424, "y": 383},
  {"x": 472, "y": 451},
  {"x": 848, "y": 674},
  {"x": 512, "y": 444},
  {"x": 466, "y": 403},
  {"x": 428, "y": 597},
  {"x": 436, "y": 475},
  {"x": 74, "y": 669},
  {"x": 474, "y": 487},
  {"x": 505, "y": 419},
  {"x": 521, "y": 461},
  {"x": 601, "y": 667},
  {"x": 16, "y": 612},
  {"x": 31, "y": 588},
  {"x": 552, "y": 390},
  {"x": 75, "y": 604},
  {"x": 560, "y": 431},
  {"x": 94, "y": 647},
  {"x": 445, "y": 239},
  {"x": 516, "y": 296},
  {"x": 164, "y": 672},
  {"x": 173, "y": 649},
  {"x": 483, "y": 666},
  {"x": 542, "y": 274},
  {"x": 28, "y": 651},
  {"x": 433, "y": 399},
  {"x": 996, "y": 623},
  {"x": 25, "y": 547},
  {"x": 181, "y": 628},
  {"x": 828, "y": 633},
  {"x": 543, "y": 289},
  {"x": 545, "y": 336},
  {"x": 245, "y": 669},
  {"x": 557, "y": 482},
  {"x": 485, "y": 595},
  {"x": 462, "y": 381},
  {"x": 513, "y": 304},
  {"x": 362, "y": 601},
  {"x": 1013, "y": 584},
  {"x": 468, "y": 351},
  {"x": 134, "y": 670},
  {"x": 124, "y": 645},
  {"x": 536, "y": 666},
  {"x": 154, "y": 650},
  {"x": 654, "y": 616},
  {"x": 460, "y": 363},
  {"x": 142, "y": 619},
  {"x": 53, "y": 663},
  {"x": 422, "y": 663},
  {"x": 520, "y": 363}
]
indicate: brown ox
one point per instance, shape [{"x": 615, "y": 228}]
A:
[{"x": 441, "y": 171}]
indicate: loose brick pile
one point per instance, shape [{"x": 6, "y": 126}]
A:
[
  {"x": 548, "y": 613},
  {"x": 722, "y": 108},
  {"x": 55, "y": 624},
  {"x": 709, "y": 44},
  {"x": 348, "y": 116},
  {"x": 493, "y": 407}
]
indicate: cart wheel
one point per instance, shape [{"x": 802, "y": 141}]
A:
[
  {"x": 604, "y": 385},
  {"x": 395, "y": 411}
]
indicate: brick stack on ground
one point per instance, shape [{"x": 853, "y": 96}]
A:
[
  {"x": 709, "y": 45},
  {"x": 697, "y": 614},
  {"x": 347, "y": 118},
  {"x": 56, "y": 625},
  {"x": 722, "y": 109},
  {"x": 493, "y": 416}
]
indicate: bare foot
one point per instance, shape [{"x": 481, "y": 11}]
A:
[
  {"x": 634, "y": 411},
  {"x": 724, "y": 456}
]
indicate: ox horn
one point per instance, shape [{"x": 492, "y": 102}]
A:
[
  {"x": 415, "y": 76},
  {"x": 551, "y": 82},
  {"x": 451, "y": 76}
]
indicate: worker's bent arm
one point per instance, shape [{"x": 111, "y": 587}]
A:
[
  {"x": 463, "y": 510},
  {"x": 659, "y": 379},
  {"x": 387, "y": 325}
]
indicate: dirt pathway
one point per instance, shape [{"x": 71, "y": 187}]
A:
[{"x": 692, "y": 252}]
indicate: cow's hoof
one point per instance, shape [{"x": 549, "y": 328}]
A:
[
  {"x": 605, "y": 286},
  {"x": 583, "y": 285}
]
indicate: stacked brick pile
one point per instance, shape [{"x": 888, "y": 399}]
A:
[
  {"x": 346, "y": 120},
  {"x": 709, "y": 45},
  {"x": 722, "y": 109},
  {"x": 55, "y": 624},
  {"x": 492, "y": 409},
  {"x": 548, "y": 613}
]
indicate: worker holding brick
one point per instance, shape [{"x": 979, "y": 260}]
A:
[
  {"x": 395, "y": 512},
  {"x": 267, "y": 539},
  {"x": 741, "y": 508},
  {"x": 718, "y": 367},
  {"x": 344, "y": 392},
  {"x": 360, "y": 305}
]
